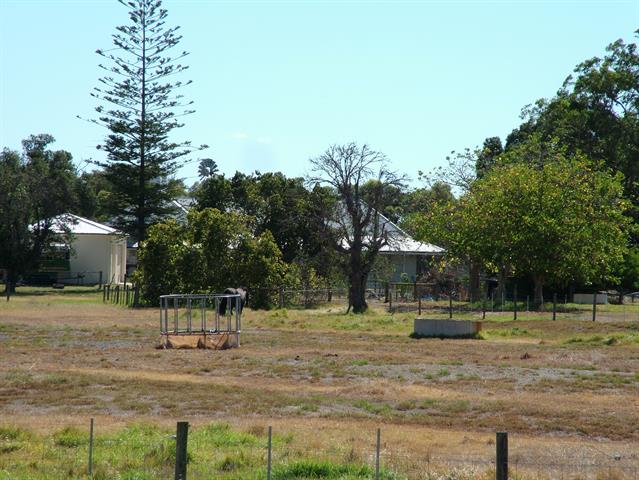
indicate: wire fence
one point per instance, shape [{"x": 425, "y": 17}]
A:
[
  {"x": 505, "y": 304},
  {"x": 427, "y": 299},
  {"x": 215, "y": 450}
]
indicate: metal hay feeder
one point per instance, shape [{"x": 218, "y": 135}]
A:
[{"x": 212, "y": 321}]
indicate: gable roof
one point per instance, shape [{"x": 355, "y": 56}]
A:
[
  {"x": 81, "y": 226},
  {"x": 401, "y": 242}
]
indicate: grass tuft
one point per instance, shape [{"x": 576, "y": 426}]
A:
[{"x": 70, "y": 437}]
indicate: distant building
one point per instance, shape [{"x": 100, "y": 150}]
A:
[
  {"x": 94, "y": 248},
  {"x": 407, "y": 254}
]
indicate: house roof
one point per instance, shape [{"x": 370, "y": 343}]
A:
[
  {"x": 411, "y": 246},
  {"x": 401, "y": 242},
  {"x": 81, "y": 226}
]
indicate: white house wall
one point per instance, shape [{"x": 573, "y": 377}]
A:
[
  {"x": 403, "y": 263},
  {"x": 98, "y": 253}
]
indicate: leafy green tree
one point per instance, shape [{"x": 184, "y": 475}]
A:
[
  {"x": 213, "y": 191},
  {"x": 628, "y": 273},
  {"x": 34, "y": 188},
  {"x": 558, "y": 222},
  {"x": 213, "y": 251},
  {"x": 421, "y": 200},
  {"x": 92, "y": 190},
  {"x": 278, "y": 204},
  {"x": 161, "y": 262},
  {"x": 596, "y": 112},
  {"x": 258, "y": 265},
  {"x": 218, "y": 234},
  {"x": 488, "y": 155},
  {"x": 140, "y": 108}
]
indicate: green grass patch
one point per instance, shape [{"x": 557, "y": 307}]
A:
[
  {"x": 373, "y": 408},
  {"x": 316, "y": 469},
  {"x": 70, "y": 437},
  {"x": 603, "y": 340}
]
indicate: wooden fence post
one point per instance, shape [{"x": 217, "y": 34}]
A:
[
  {"x": 100, "y": 280},
  {"x": 269, "y": 463},
  {"x": 180, "y": 450},
  {"x": 91, "y": 449},
  {"x": 450, "y": 304},
  {"x": 515, "y": 302},
  {"x": 501, "y": 460},
  {"x": 594, "y": 306},
  {"x": 136, "y": 295},
  {"x": 377, "y": 449},
  {"x": 483, "y": 307},
  {"x": 554, "y": 306}
]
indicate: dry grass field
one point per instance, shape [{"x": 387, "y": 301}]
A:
[{"x": 566, "y": 391}]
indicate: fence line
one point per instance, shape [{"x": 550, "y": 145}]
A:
[
  {"x": 126, "y": 294},
  {"x": 384, "y": 462}
]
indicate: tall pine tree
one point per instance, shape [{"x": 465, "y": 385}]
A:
[{"x": 140, "y": 107}]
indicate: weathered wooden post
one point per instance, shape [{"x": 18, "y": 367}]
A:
[
  {"x": 91, "y": 448},
  {"x": 386, "y": 297},
  {"x": 269, "y": 460},
  {"x": 594, "y": 306},
  {"x": 483, "y": 307},
  {"x": 515, "y": 302},
  {"x": 100, "y": 280},
  {"x": 450, "y": 304},
  {"x": 377, "y": 449},
  {"x": 136, "y": 295},
  {"x": 501, "y": 461},
  {"x": 180, "y": 450},
  {"x": 554, "y": 306}
]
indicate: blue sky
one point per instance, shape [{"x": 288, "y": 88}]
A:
[{"x": 276, "y": 82}]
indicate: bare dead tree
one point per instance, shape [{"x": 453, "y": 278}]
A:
[{"x": 355, "y": 228}]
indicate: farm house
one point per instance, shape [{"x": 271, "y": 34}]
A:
[
  {"x": 406, "y": 254},
  {"x": 94, "y": 248}
]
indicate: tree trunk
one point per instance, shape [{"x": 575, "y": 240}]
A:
[
  {"x": 500, "y": 291},
  {"x": 474, "y": 285},
  {"x": 357, "y": 292},
  {"x": 539, "y": 292},
  {"x": 10, "y": 284}
]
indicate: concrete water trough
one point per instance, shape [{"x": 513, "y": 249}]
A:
[{"x": 438, "y": 328}]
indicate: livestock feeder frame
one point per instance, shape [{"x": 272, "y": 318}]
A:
[{"x": 212, "y": 321}]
